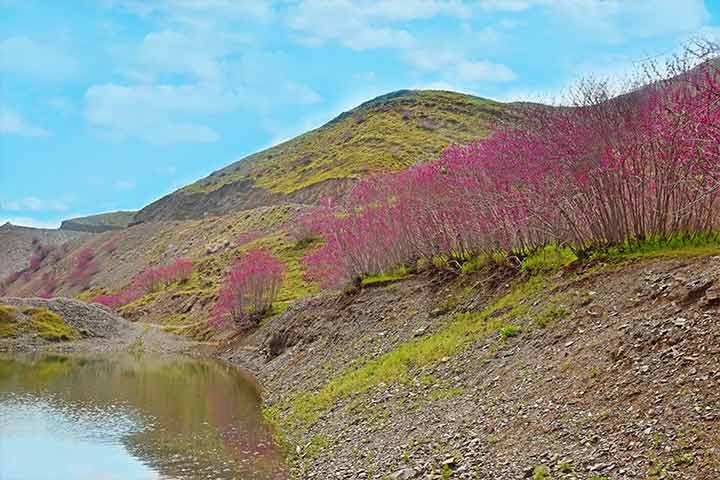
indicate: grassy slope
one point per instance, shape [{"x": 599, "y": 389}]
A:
[
  {"x": 213, "y": 244},
  {"x": 387, "y": 133}
]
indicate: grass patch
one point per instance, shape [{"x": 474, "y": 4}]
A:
[
  {"x": 394, "y": 366},
  {"x": 445, "y": 393},
  {"x": 397, "y": 274},
  {"x": 551, "y": 314},
  {"x": 677, "y": 246},
  {"x": 549, "y": 259},
  {"x": 8, "y": 321},
  {"x": 49, "y": 325},
  {"x": 509, "y": 331},
  {"x": 541, "y": 472}
]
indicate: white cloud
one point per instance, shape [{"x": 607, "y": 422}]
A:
[
  {"x": 12, "y": 123},
  {"x": 155, "y": 113},
  {"x": 506, "y": 5},
  {"x": 480, "y": 71},
  {"x": 355, "y": 25},
  {"x": 186, "y": 9},
  {"x": 302, "y": 94},
  {"x": 198, "y": 54},
  {"x": 33, "y": 204},
  {"x": 180, "y": 78},
  {"x": 454, "y": 66},
  {"x": 620, "y": 20},
  {"x": 23, "y": 56}
]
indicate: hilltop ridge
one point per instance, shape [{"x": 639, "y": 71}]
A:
[{"x": 390, "y": 132}]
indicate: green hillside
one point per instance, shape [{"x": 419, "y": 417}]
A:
[{"x": 389, "y": 132}]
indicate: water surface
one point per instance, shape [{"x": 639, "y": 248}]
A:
[{"x": 131, "y": 418}]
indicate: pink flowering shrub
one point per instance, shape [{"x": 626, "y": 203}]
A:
[
  {"x": 148, "y": 280},
  {"x": 248, "y": 291},
  {"x": 40, "y": 254},
  {"x": 605, "y": 172},
  {"x": 153, "y": 278},
  {"x": 85, "y": 269},
  {"x": 119, "y": 299},
  {"x": 109, "y": 247},
  {"x": 48, "y": 285}
]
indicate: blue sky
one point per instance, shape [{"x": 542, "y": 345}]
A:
[{"x": 110, "y": 104}]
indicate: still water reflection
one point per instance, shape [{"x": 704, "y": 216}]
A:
[{"x": 130, "y": 417}]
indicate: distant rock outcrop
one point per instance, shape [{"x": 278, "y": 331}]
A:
[{"x": 103, "y": 222}]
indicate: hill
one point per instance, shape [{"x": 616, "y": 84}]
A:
[
  {"x": 389, "y": 132},
  {"x": 16, "y": 244},
  {"x": 99, "y": 223}
]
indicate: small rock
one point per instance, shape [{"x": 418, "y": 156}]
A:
[{"x": 404, "y": 474}]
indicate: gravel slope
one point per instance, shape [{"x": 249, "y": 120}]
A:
[{"x": 623, "y": 384}]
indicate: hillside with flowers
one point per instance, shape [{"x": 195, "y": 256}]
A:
[
  {"x": 387, "y": 133},
  {"x": 428, "y": 241}
]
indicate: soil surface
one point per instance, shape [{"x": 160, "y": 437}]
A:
[
  {"x": 621, "y": 380},
  {"x": 103, "y": 331}
]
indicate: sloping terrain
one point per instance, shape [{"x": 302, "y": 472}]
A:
[
  {"x": 212, "y": 244},
  {"x": 99, "y": 223},
  {"x": 16, "y": 244},
  {"x": 387, "y": 133},
  {"x": 596, "y": 372}
]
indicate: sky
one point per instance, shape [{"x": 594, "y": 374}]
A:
[{"x": 111, "y": 104}]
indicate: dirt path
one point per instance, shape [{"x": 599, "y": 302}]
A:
[{"x": 138, "y": 337}]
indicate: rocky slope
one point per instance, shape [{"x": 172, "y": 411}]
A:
[
  {"x": 387, "y": 133},
  {"x": 597, "y": 372},
  {"x": 103, "y": 222},
  {"x": 16, "y": 244}
]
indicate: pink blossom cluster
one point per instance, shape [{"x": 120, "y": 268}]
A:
[
  {"x": 645, "y": 165},
  {"x": 153, "y": 278},
  {"x": 147, "y": 281},
  {"x": 109, "y": 247},
  {"x": 117, "y": 300},
  {"x": 85, "y": 268},
  {"x": 248, "y": 290},
  {"x": 48, "y": 285}
]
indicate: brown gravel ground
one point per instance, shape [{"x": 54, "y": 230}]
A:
[{"x": 624, "y": 383}]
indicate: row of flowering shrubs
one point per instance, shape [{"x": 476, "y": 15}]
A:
[
  {"x": 645, "y": 165},
  {"x": 149, "y": 280}
]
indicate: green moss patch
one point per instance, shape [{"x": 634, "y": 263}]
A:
[
  {"x": 8, "y": 321},
  {"x": 49, "y": 325}
]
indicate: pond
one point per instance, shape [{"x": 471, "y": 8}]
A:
[{"x": 131, "y": 418}]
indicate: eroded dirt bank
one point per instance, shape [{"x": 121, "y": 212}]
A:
[{"x": 607, "y": 372}]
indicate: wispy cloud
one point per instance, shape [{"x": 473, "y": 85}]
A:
[
  {"x": 23, "y": 56},
  {"x": 33, "y": 204},
  {"x": 12, "y": 123}
]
